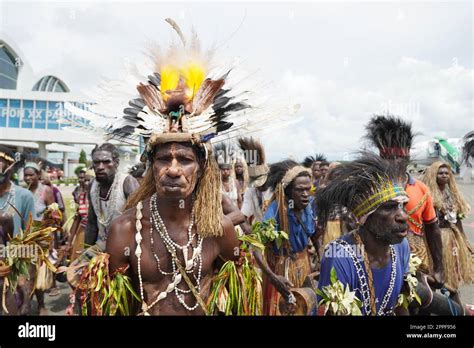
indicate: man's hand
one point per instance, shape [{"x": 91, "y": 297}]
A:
[
  {"x": 438, "y": 278},
  {"x": 282, "y": 285}
]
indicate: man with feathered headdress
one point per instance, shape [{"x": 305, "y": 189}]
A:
[
  {"x": 393, "y": 138},
  {"x": 287, "y": 266},
  {"x": 372, "y": 189},
  {"x": 174, "y": 227}
]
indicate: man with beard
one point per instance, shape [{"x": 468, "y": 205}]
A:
[
  {"x": 107, "y": 197},
  {"x": 174, "y": 228},
  {"x": 108, "y": 193},
  {"x": 393, "y": 138},
  {"x": 373, "y": 259}
]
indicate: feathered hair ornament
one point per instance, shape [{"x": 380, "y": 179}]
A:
[
  {"x": 181, "y": 101},
  {"x": 225, "y": 154},
  {"x": 309, "y": 160},
  {"x": 361, "y": 186},
  {"x": 468, "y": 148},
  {"x": 254, "y": 155},
  {"x": 391, "y": 135}
]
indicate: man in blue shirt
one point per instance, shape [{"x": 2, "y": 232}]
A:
[
  {"x": 288, "y": 266},
  {"x": 373, "y": 259}
]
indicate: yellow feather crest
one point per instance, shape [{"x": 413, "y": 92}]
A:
[{"x": 193, "y": 74}]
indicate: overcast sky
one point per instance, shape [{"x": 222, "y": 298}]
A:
[{"x": 342, "y": 61}]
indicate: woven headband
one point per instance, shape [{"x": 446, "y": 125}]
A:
[
  {"x": 291, "y": 174},
  {"x": 388, "y": 193}
]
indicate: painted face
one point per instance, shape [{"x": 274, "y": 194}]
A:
[
  {"x": 31, "y": 177},
  {"x": 443, "y": 176},
  {"x": 389, "y": 223},
  {"x": 239, "y": 169},
  {"x": 104, "y": 166},
  {"x": 176, "y": 170},
  {"x": 300, "y": 192}
]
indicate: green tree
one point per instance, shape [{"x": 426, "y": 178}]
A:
[{"x": 83, "y": 157}]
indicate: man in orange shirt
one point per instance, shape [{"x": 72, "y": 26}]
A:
[{"x": 393, "y": 137}]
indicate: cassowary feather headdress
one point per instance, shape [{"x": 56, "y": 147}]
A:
[
  {"x": 361, "y": 186},
  {"x": 391, "y": 135},
  {"x": 309, "y": 160},
  {"x": 468, "y": 148}
]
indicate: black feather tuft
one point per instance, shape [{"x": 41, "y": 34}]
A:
[{"x": 389, "y": 131}]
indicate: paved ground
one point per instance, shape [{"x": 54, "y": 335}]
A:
[{"x": 57, "y": 305}]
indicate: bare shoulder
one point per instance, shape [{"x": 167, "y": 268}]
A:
[{"x": 122, "y": 228}]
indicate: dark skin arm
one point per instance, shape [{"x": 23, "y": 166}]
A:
[
  {"x": 239, "y": 193},
  {"x": 120, "y": 240},
  {"x": 231, "y": 211},
  {"x": 48, "y": 196},
  {"x": 228, "y": 243},
  {"x": 282, "y": 284},
  {"x": 433, "y": 239},
  {"x": 92, "y": 227},
  {"x": 130, "y": 185}
]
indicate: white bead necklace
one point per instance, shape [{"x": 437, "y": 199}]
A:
[{"x": 171, "y": 246}]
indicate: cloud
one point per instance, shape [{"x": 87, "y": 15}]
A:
[
  {"x": 437, "y": 100},
  {"x": 414, "y": 60}
]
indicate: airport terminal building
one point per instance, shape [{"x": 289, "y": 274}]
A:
[{"x": 32, "y": 113}]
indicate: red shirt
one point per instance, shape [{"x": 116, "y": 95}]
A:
[{"x": 420, "y": 205}]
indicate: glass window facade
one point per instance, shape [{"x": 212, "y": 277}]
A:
[
  {"x": 50, "y": 84},
  {"x": 28, "y": 114},
  {"x": 8, "y": 69},
  {"x": 14, "y": 113},
  {"x": 36, "y": 114}
]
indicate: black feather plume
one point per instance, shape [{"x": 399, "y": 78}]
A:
[{"x": 389, "y": 131}]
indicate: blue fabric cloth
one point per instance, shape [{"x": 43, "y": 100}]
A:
[
  {"x": 24, "y": 203},
  {"x": 335, "y": 256},
  {"x": 298, "y": 236}
]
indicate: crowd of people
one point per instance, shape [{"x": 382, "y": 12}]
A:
[
  {"x": 358, "y": 223},
  {"x": 206, "y": 225}
]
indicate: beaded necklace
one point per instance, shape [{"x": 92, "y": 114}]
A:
[
  {"x": 104, "y": 218},
  {"x": 156, "y": 222},
  {"x": 393, "y": 276},
  {"x": 367, "y": 289}
]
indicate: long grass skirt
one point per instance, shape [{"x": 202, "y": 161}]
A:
[
  {"x": 298, "y": 268},
  {"x": 419, "y": 247},
  {"x": 457, "y": 258},
  {"x": 78, "y": 243}
]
